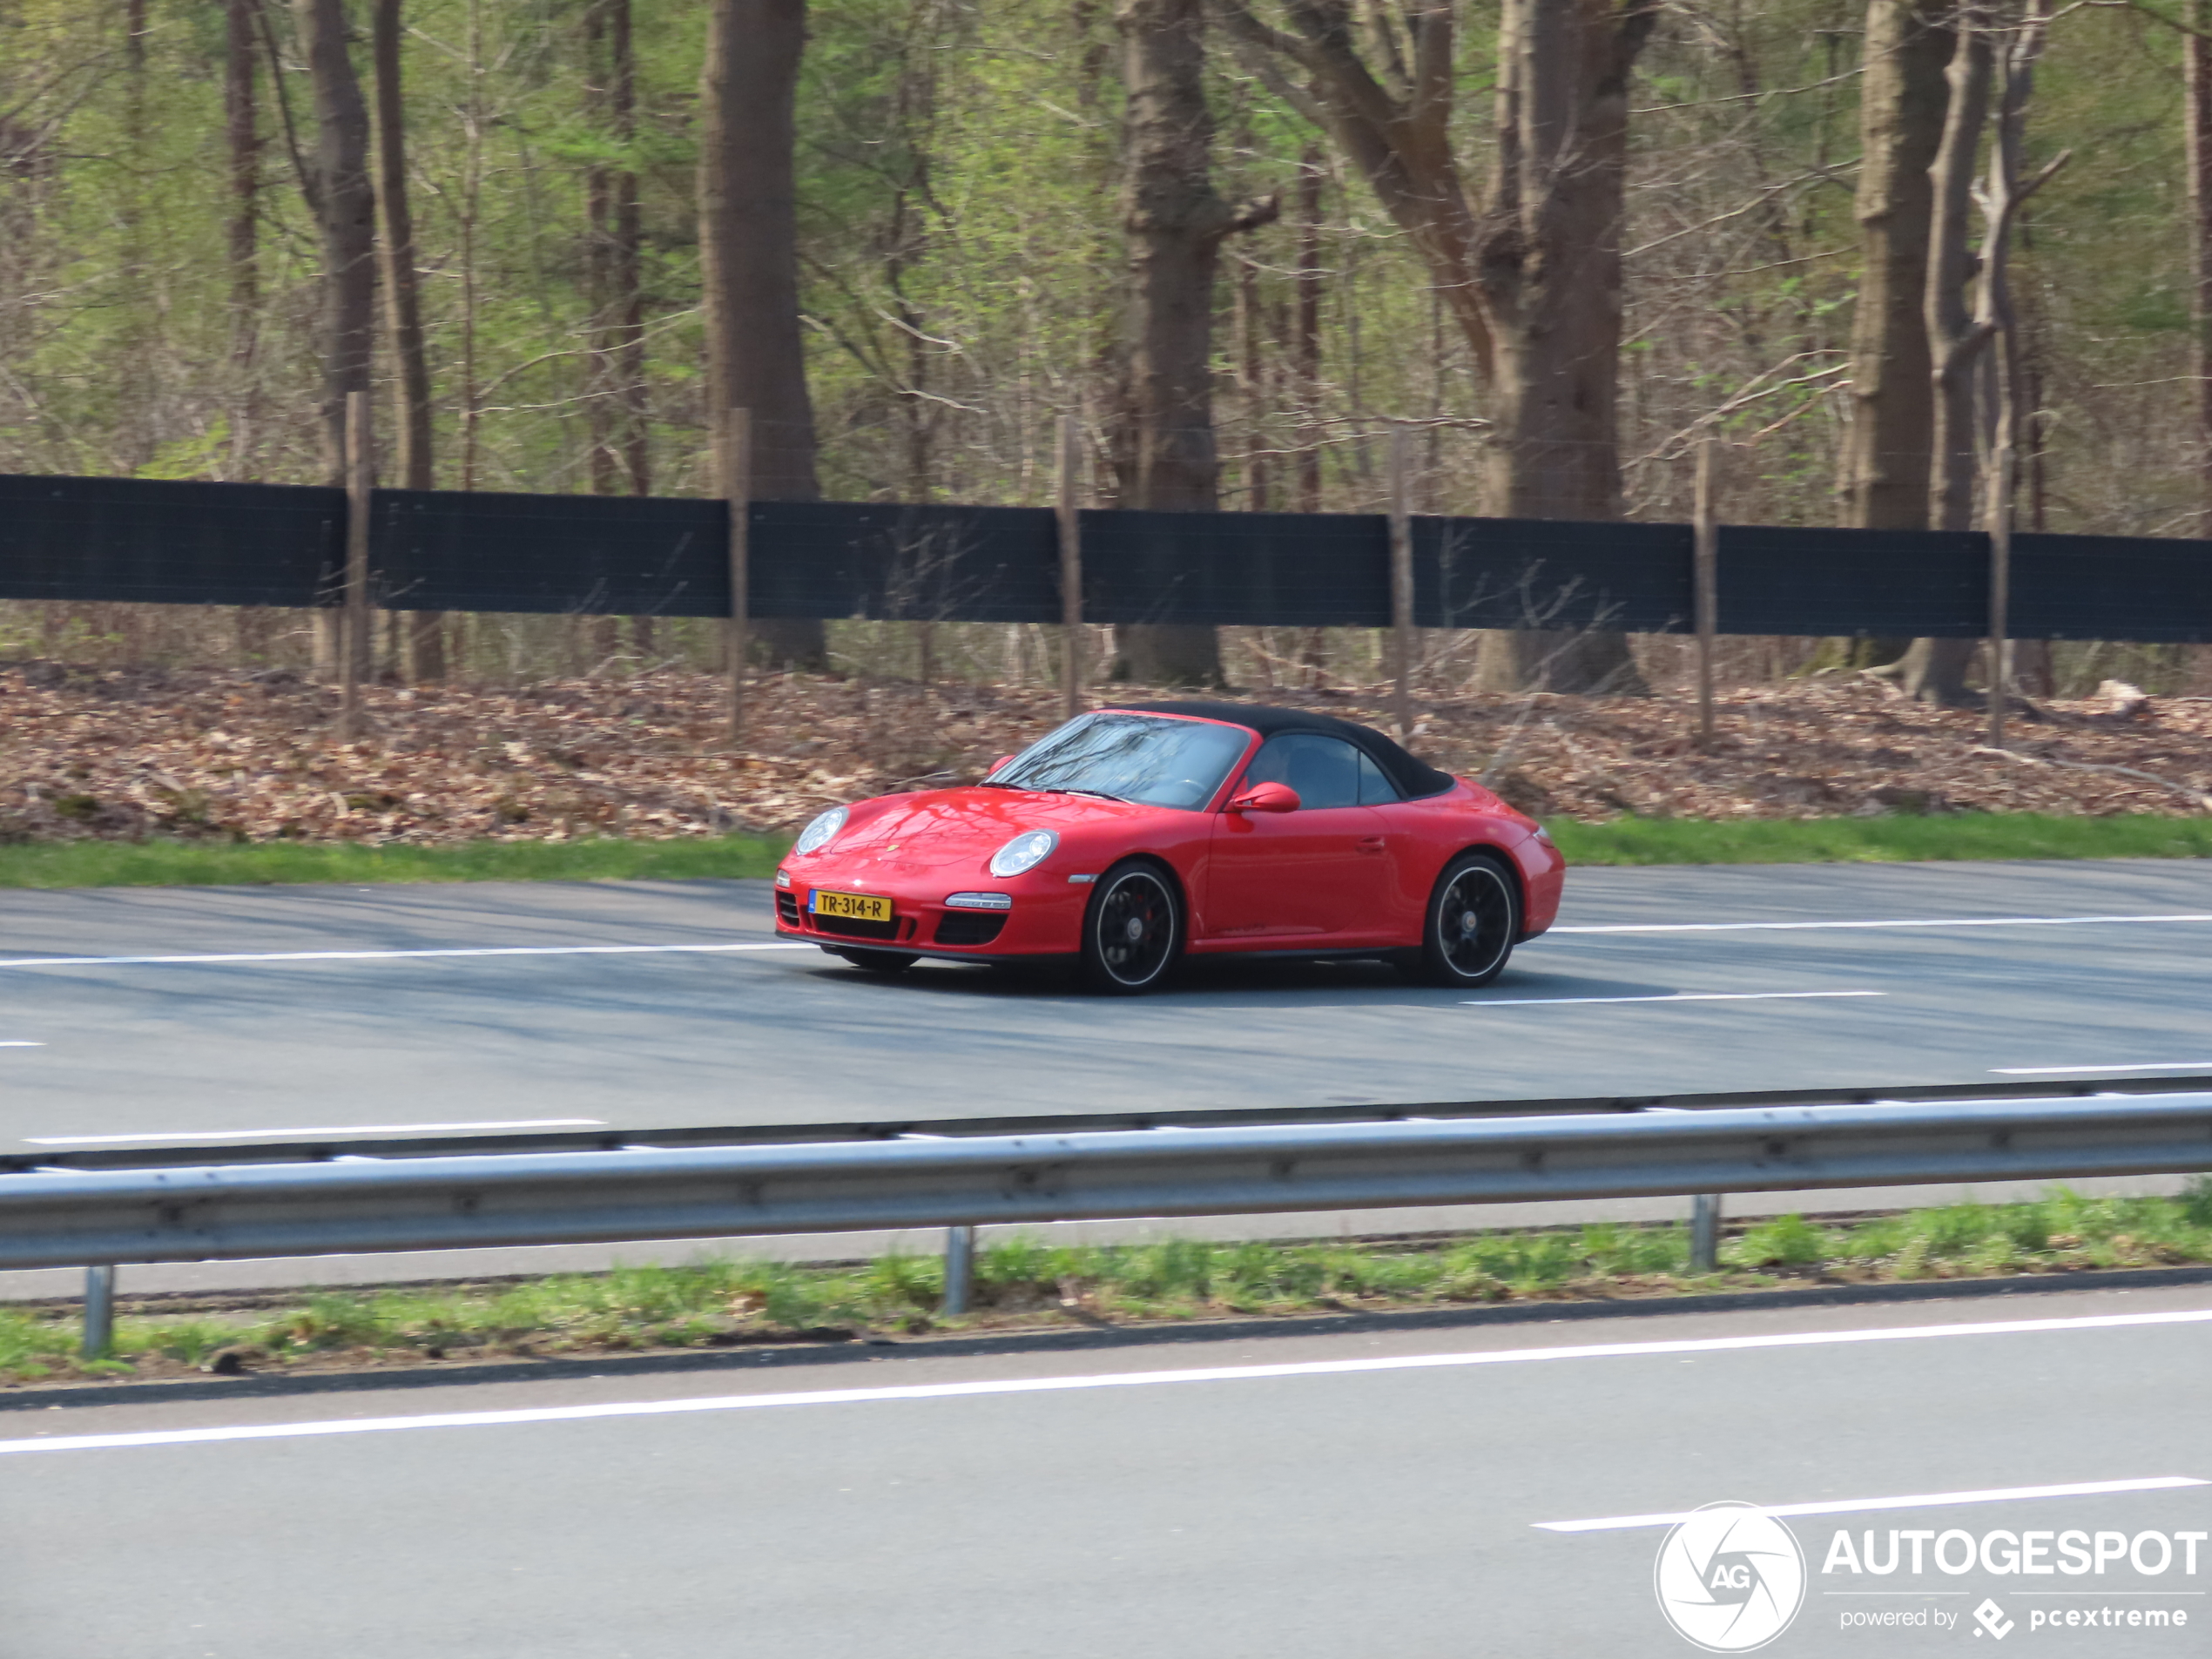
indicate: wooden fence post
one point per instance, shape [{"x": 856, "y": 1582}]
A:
[
  {"x": 1997, "y": 514},
  {"x": 353, "y": 626},
  {"x": 1071, "y": 573},
  {"x": 733, "y": 453},
  {"x": 1401, "y": 583},
  {"x": 1706, "y": 581}
]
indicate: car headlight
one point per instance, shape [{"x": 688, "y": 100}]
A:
[
  {"x": 818, "y": 834},
  {"x": 1024, "y": 852}
]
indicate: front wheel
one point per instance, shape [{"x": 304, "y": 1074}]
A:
[
  {"x": 879, "y": 962},
  {"x": 1132, "y": 930},
  {"x": 1473, "y": 918}
]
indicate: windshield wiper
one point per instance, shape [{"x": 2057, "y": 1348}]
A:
[{"x": 1052, "y": 789}]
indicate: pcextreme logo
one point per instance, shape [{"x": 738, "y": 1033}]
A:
[{"x": 1730, "y": 1578}]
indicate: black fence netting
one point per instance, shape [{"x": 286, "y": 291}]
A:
[
  {"x": 1884, "y": 584},
  {"x": 170, "y": 543},
  {"x": 2153, "y": 589},
  {"x": 157, "y": 542}
]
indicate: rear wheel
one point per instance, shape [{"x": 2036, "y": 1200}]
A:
[
  {"x": 879, "y": 962},
  {"x": 1473, "y": 918},
  {"x": 1132, "y": 930}
]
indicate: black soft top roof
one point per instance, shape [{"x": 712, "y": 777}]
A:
[{"x": 1414, "y": 777}]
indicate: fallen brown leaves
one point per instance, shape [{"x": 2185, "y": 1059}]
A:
[{"x": 217, "y": 753}]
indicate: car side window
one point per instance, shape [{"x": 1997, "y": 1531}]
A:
[
  {"x": 1324, "y": 771},
  {"x": 1375, "y": 787}
]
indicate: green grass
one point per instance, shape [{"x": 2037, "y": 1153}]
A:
[
  {"x": 1026, "y": 1283},
  {"x": 206, "y": 863},
  {"x": 1625, "y": 840},
  {"x": 1845, "y": 841}
]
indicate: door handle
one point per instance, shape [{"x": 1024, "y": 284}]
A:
[{"x": 1370, "y": 844}]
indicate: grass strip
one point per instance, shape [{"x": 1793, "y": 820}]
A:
[
  {"x": 1622, "y": 840},
  {"x": 1024, "y": 1283},
  {"x": 211, "y": 864},
  {"x": 1892, "y": 840}
]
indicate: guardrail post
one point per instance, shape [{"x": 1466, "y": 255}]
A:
[
  {"x": 960, "y": 1267},
  {"x": 1704, "y": 1232},
  {"x": 99, "y": 1312}
]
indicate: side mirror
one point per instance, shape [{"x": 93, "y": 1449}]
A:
[
  {"x": 1267, "y": 797},
  {"x": 996, "y": 765}
]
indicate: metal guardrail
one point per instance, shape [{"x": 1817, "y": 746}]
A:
[
  {"x": 614, "y": 1139},
  {"x": 64, "y": 1218}
]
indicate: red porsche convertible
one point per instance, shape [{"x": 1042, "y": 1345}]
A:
[{"x": 1131, "y": 836}]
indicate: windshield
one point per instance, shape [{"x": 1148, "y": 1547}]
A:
[{"x": 1130, "y": 757}]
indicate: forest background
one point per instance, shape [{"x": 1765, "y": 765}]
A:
[{"x": 968, "y": 247}]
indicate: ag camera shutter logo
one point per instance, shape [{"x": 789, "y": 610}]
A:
[{"x": 1730, "y": 1578}]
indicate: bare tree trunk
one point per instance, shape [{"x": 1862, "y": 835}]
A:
[
  {"x": 241, "y": 125},
  {"x": 598, "y": 238},
  {"x": 1934, "y": 670},
  {"x": 749, "y": 258},
  {"x": 2017, "y": 49},
  {"x": 603, "y": 635},
  {"x": 2032, "y": 670},
  {"x": 1305, "y": 368},
  {"x": 1305, "y": 336},
  {"x": 2197, "y": 59},
  {"x": 1553, "y": 285},
  {"x": 242, "y": 130},
  {"x": 134, "y": 374},
  {"x": 1176, "y": 222},
  {"x": 1884, "y": 481},
  {"x": 1252, "y": 377},
  {"x": 345, "y": 206},
  {"x": 469, "y": 210},
  {"x": 1957, "y": 338},
  {"x": 1532, "y": 274},
  {"x": 421, "y": 654},
  {"x": 1960, "y": 334},
  {"x": 906, "y": 243},
  {"x": 627, "y": 264}
]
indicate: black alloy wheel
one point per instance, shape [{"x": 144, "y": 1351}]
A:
[
  {"x": 1473, "y": 918},
  {"x": 1132, "y": 930},
  {"x": 879, "y": 962}
]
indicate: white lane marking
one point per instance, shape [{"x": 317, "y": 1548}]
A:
[
  {"x": 1116, "y": 1379},
  {"x": 165, "y": 1136},
  {"x": 1671, "y": 996},
  {"x": 22, "y": 1045},
  {"x": 1921, "y": 1500},
  {"x": 2147, "y": 1065},
  {"x": 386, "y": 955},
  {"x": 1812, "y": 926}
]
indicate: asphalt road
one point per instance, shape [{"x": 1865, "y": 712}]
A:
[
  {"x": 719, "y": 1024},
  {"x": 1470, "y": 1493}
]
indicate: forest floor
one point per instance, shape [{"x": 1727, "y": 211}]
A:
[{"x": 232, "y": 756}]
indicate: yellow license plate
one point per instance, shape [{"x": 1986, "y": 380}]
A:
[{"x": 861, "y": 907}]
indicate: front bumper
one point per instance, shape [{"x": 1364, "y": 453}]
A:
[{"x": 1045, "y": 920}]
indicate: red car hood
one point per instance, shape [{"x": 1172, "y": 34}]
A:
[{"x": 963, "y": 827}]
